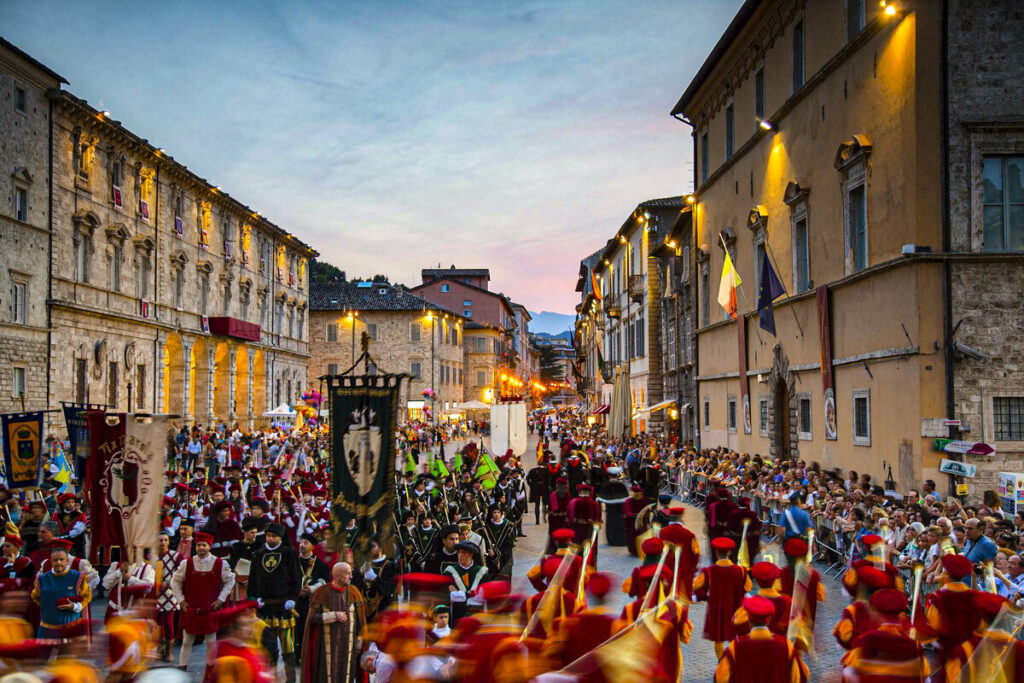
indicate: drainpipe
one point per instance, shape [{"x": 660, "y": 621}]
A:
[
  {"x": 947, "y": 241},
  {"x": 49, "y": 257}
]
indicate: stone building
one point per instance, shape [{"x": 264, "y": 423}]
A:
[
  {"x": 168, "y": 294},
  {"x": 588, "y": 328},
  {"x": 407, "y": 334},
  {"x": 631, "y": 291},
  {"x": 871, "y": 154},
  {"x": 486, "y": 375},
  {"x": 24, "y": 228}
]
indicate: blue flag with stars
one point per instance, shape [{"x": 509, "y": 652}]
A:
[{"x": 769, "y": 290}]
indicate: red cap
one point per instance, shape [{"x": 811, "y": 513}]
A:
[
  {"x": 636, "y": 489},
  {"x": 874, "y": 579},
  {"x": 889, "y": 602},
  {"x": 562, "y": 480},
  {"x": 677, "y": 511},
  {"x": 723, "y": 544},
  {"x": 760, "y": 609},
  {"x": 871, "y": 540},
  {"x": 64, "y": 497},
  {"x": 674, "y": 533},
  {"x": 493, "y": 591},
  {"x": 957, "y": 566},
  {"x": 60, "y": 544},
  {"x": 795, "y": 547},
  {"x": 422, "y": 582},
  {"x": 599, "y": 585},
  {"x": 652, "y": 546},
  {"x": 563, "y": 535},
  {"x": 227, "y": 615},
  {"x": 136, "y": 590},
  {"x": 584, "y": 488},
  {"x": 202, "y": 537},
  {"x": 743, "y": 502},
  {"x": 13, "y": 540},
  {"x": 765, "y": 573},
  {"x": 223, "y": 505}
]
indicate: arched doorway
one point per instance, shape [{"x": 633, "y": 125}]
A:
[
  {"x": 782, "y": 416},
  {"x": 780, "y": 408},
  {"x": 173, "y": 375},
  {"x": 259, "y": 384},
  {"x": 241, "y": 407},
  {"x": 199, "y": 380},
  {"x": 221, "y": 382}
]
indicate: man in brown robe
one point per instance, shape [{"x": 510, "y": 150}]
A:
[{"x": 332, "y": 644}]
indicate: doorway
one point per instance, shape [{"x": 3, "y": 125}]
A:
[{"x": 780, "y": 408}]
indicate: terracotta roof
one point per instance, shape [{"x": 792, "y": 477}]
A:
[
  {"x": 456, "y": 272},
  {"x": 366, "y": 296}
]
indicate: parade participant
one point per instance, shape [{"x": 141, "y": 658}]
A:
[
  {"x": 441, "y": 629},
  {"x": 553, "y": 601},
  {"x": 234, "y": 659},
  {"x": 224, "y": 530},
  {"x": 16, "y": 570},
  {"x": 184, "y": 541},
  {"x": 992, "y": 653},
  {"x": 131, "y": 635},
  {"x": 722, "y": 585},
  {"x": 719, "y": 512},
  {"x": 314, "y": 574},
  {"x": 30, "y": 523},
  {"x": 258, "y": 513},
  {"x": 859, "y": 618},
  {"x": 689, "y": 550},
  {"x": 558, "y": 511},
  {"x": 873, "y": 557},
  {"x": 63, "y": 597},
  {"x": 241, "y": 557},
  {"x": 502, "y": 536},
  {"x": 795, "y": 550},
  {"x": 466, "y": 533},
  {"x": 539, "y": 491},
  {"x": 761, "y": 656},
  {"x": 446, "y": 555},
  {"x": 275, "y": 581},
  {"x": 952, "y": 611},
  {"x": 380, "y": 579},
  {"x": 408, "y": 539},
  {"x": 744, "y": 516},
  {"x": 167, "y": 606},
  {"x": 765, "y": 575},
  {"x": 72, "y": 522},
  {"x": 563, "y": 539},
  {"x": 639, "y": 580},
  {"x": 136, "y": 574},
  {"x": 632, "y": 507},
  {"x": 584, "y": 515},
  {"x": 430, "y": 538},
  {"x": 201, "y": 585},
  {"x": 577, "y": 634},
  {"x": 332, "y": 641},
  {"x": 466, "y": 576},
  {"x": 660, "y": 517},
  {"x": 888, "y": 652}
]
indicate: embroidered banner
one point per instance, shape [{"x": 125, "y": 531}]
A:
[
  {"x": 77, "y": 420},
  {"x": 363, "y": 411},
  {"x": 23, "y": 449},
  {"x": 126, "y": 482},
  {"x": 825, "y": 349}
]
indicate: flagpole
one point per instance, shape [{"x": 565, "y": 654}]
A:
[
  {"x": 771, "y": 255},
  {"x": 726, "y": 247}
]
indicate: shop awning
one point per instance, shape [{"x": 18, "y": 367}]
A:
[
  {"x": 661, "y": 406},
  {"x": 602, "y": 409}
]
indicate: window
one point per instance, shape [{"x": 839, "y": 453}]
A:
[
  {"x": 854, "y": 18},
  {"x": 758, "y": 96},
  {"x": 707, "y": 414},
  {"x": 81, "y": 379},
  {"x": 481, "y": 377},
  {"x": 179, "y": 229},
  {"x": 467, "y": 313},
  {"x": 332, "y": 368},
  {"x": 806, "y": 428},
  {"x": 731, "y": 413},
  {"x": 332, "y": 332},
  {"x": 142, "y": 285},
  {"x": 415, "y": 369},
  {"x": 798, "y": 55},
  {"x": 1008, "y": 414},
  {"x": 291, "y": 321},
  {"x": 729, "y": 131},
  {"x": 862, "y": 417},
  {"x": 801, "y": 255},
  {"x": 21, "y": 204},
  {"x": 856, "y": 228},
  {"x": 204, "y": 286},
  {"x": 371, "y": 330},
  {"x": 704, "y": 156},
  {"x": 415, "y": 331},
  {"x": 705, "y": 298},
  {"x": 18, "y": 382},
  {"x": 177, "y": 286},
  {"x": 19, "y": 303},
  {"x": 460, "y": 375},
  {"x": 19, "y": 99},
  {"x": 115, "y": 267},
  {"x": 467, "y": 303},
  {"x": 112, "y": 384},
  {"x": 1003, "y": 199},
  {"x": 446, "y": 288},
  {"x": 762, "y": 415},
  {"x": 83, "y": 250},
  {"x": 481, "y": 345},
  {"x": 115, "y": 186}
]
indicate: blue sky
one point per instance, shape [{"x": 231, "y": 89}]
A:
[{"x": 398, "y": 135}]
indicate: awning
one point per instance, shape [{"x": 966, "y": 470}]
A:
[
  {"x": 602, "y": 409},
  {"x": 660, "y": 406},
  {"x": 225, "y": 326},
  {"x": 414, "y": 405}
]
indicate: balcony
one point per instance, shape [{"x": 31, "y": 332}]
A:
[
  {"x": 636, "y": 288},
  {"x": 612, "y": 310}
]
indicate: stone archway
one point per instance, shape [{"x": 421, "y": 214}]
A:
[
  {"x": 782, "y": 407},
  {"x": 259, "y": 384},
  {"x": 173, "y": 375},
  {"x": 222, "y": 382},
  {"x": 240, "y": 409},
  {"x": 199, "y": 380}
]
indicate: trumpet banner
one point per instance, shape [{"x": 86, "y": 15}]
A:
[{"x": 363, "y": 410}]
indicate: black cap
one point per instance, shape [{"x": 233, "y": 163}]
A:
[
  {"x": 449, "y": 529},
  {"x": 188, "y": 523},
  {"x": 249, "y": 523},
  {"x": 276, "y": 529},
  {"x": 468, "y": 546}
]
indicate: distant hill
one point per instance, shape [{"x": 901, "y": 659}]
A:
[{"x": 551, "y": 323}]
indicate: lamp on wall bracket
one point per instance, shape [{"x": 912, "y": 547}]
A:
[
  {"x": 765, "y": 124},
  {"x": 888, "y": 7}
]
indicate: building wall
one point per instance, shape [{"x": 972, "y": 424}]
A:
[
  {"x": 486, "y": 308},
  {"x": 395, "y": 350},
  {"x": 24, "y": 149},
  {"x": 477, "y": 361}
]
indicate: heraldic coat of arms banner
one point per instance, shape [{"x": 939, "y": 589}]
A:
[{"x": 363, "y": 412}]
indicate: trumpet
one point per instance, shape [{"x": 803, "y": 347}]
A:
[{"x": 918, "y": 574}]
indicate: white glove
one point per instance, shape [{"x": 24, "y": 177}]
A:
[
  {"x": 76, "y": 607},
  {"x": 370, "y": 574},
  {"x": 475, "y": 601},
  {"x": 259, "y": 602},
  {"x": 289, "y": 604},
  {"x": 458, "y": 596},
  {"x": 330, "y": 618}
]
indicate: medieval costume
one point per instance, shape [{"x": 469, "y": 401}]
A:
[
  {"x": 761, "y": 656},
  {"x": 630, "y": 509},
  {"x": 558, "y": 511},
  {"x": 276, "y": 579},
  {"x": 331, "y": 644},
  {"x": 723, "y": 586},
  {"x": 584, "y": 514}
]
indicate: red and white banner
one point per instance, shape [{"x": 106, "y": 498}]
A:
[{"x": 127, "y": 460}]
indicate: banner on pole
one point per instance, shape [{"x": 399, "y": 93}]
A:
[
  {"x": 126, "y": 483},
  {"x": 23, "y": 449},
  {"x": 363, "y": 414},
  {"x": 77, "y": 420}
]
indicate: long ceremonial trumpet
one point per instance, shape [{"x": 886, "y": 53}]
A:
[
  {"x": 588, "y": 546},
  {"x": 655, "y": 581},
  {"x": 743, "y": 557},
  {"x": 918, "y": 575},
  {"x": 810, "y": 546}
]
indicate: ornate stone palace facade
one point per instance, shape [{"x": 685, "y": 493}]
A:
[{"x": 162, "y": 293}]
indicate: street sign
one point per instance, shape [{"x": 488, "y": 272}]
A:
[
  {"x": 952, "y": 423},
  {"x": 955, "y": 467},
  {"x": 961, "y": 489},
  {"x": 968, "y": 447}
]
